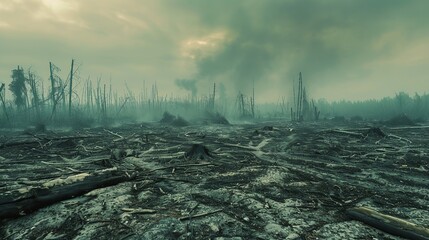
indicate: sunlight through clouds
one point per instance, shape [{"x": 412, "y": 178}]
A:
[
  {"x": 132, "y": 22},
  {"x": 195, "y": 48},
  {"x": 59, "y": 10},
  {"x": 60, "y": 6}
]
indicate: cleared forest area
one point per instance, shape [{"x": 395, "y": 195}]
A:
[{"x": 268, "y": 180}]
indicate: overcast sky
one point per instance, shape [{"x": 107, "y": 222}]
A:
[{"x": 346, "y": 49}]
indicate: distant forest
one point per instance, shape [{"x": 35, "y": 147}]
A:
[
  {"x": 415, "y": 107},
  {"x": 84, "y": 103}
]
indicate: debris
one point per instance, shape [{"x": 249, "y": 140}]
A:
[
  {"x": 138, "y": 210},
  {"x": 118, "y": 154},
  {"x": 347, "y": 133},
  {"x": 199, "y": 215},
  {"x": 400, "y": 138},
  {"x": 183, "y": 166},
  {"x": 268, "y": 128},
  {"x": 281, "y": 184},
  {"x": 68, "y": 143}
]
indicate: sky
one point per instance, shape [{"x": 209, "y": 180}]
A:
[{"x": 345, "y": 49}]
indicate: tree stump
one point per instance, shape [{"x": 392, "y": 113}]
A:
[{"x": 198, "y": 152}]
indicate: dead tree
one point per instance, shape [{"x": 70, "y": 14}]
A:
[
  {"x": 316, "y": 111},
  {"x": 298, "y": 101},
  {"x": 304, "y": 110},
  {"x": 252, "y": 101},
  {"x": 241, "y": 105},
  {"x": 71, "y": 87},
  {"x": 51, "y": 73},
  {"x": 213, "y": 97},
  {"x": 57, "y": 88},
  {"x": 2, "y": 98},
  {"x": 33, "y": 87}
]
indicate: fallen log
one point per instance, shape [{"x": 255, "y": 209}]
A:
[
  {"x": 389, "y": 224},
  {"x": 45, "y": 197},
  {"x": 38, "y": 140}
]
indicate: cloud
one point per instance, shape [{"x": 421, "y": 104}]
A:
[{"x": 335, "y": 43}]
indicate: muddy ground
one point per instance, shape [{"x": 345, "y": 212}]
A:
[{"x": 271, "y": 180}]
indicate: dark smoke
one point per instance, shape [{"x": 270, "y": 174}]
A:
[
  {"x": 188, "y": 85},
  {"x": 319, "y": 38}
]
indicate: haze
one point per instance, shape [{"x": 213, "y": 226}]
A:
[{"x": 346, "y": 49}]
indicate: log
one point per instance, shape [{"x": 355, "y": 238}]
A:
[
  {"x": 45, "y": 197},
  {"x": 30, "y": 141},
  {"x": 388, "y": 224}
]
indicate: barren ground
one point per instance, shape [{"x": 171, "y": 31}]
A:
[{"x": 271, "y": 180}]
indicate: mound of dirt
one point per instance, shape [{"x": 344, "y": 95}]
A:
[
  {"x": 376, "y": 132},
  {"x": 167, "y": 118},
  {"x": 400, "y": 120},
  {"x": 215, "y": 118},
  {"x": 172, "y": 120}
]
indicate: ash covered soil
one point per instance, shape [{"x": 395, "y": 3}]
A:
[{"x": 272, "y": 180}]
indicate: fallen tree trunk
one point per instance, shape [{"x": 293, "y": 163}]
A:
[
  {"x": 45, "y": 197},
  {"x": 389, "y": 224},
  {"x": 44, "y": 139}
]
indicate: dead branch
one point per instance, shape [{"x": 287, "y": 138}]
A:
[
  {"x": 199, "y": 215},
  {"x": 184, "y": 165},
  {"x": 114, "y": 134},
  {"x": 355, "y": 134},
  {"x": 400, "y": 138},
  {"x": 138, "y": 210}
]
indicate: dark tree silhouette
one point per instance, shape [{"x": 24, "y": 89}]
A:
[{"x": 18, "y": 88}]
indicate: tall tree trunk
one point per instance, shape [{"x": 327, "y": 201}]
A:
[{"x": 71, "y": 87}]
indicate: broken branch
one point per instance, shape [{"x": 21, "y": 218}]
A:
[{"x": 199, "y": 215}]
